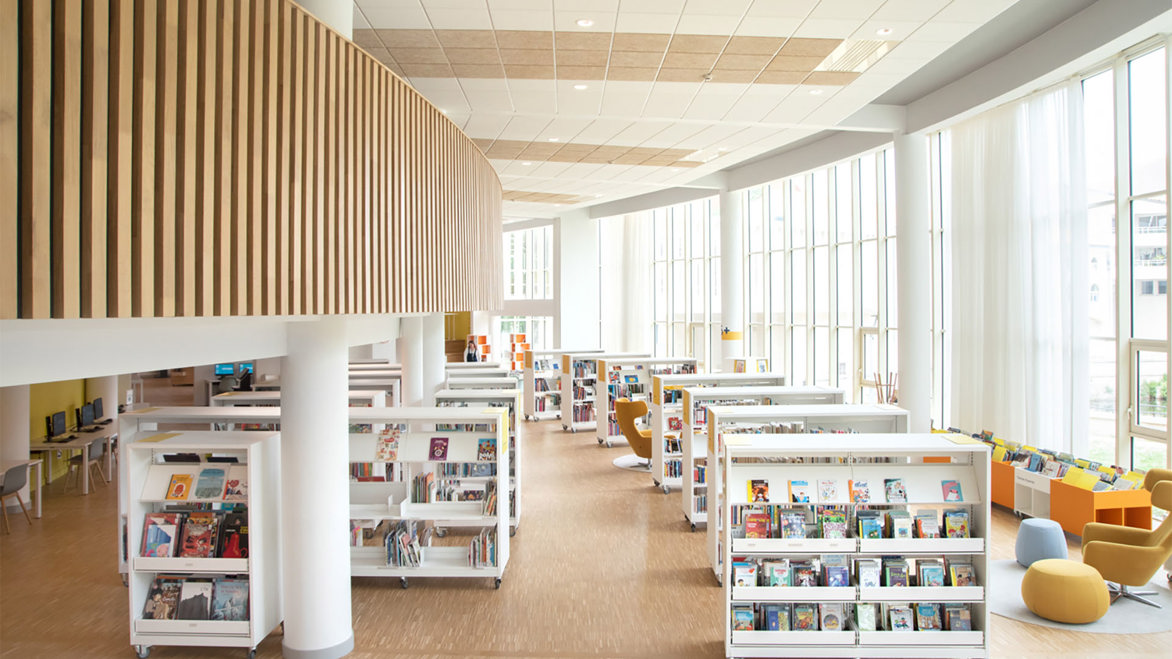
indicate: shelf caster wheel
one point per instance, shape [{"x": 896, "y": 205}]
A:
[
  {"x": 574, "y": 430},
  {"x": 693, "y": 527},
  {"x": 403, "y": 582},
  {"x": 608, "y": 444},
  {"x": 666, "y": 489},
  {"x": 512, "y": 531},
  {"x": 565, "y": 427},
  {"x": 143, "y": 651},
  {"x": 252, "y": 654},
  {"x": 655, "y": 481},
  {"x": 497, "y": 585},
  {"x": 126, "y": 580},
  {"x": 440, "y": 532}
]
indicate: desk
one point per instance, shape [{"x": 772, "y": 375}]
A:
[
  {"x": 5, "y": 465},
  {"x": 80, "y": 443}
]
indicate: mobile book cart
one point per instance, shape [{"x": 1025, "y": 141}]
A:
[
  {"x": 147, "y": 475},
  {"x": 579, "y": 390},
  {"x": 630, "y": 378},
  {"x": 542, "y": 383},
  {"x": 915, "y": 459},
  {"x": 666, "y": 407},
  {"x": 767, "y": 419},
  {"x": 694, "y": 445}
]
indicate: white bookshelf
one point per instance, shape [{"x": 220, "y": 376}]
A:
[
  {"x": 666, "y": 413},
  {"x": 392, "y": 385},
  {"x": 737, "y": 419},
  {"x": 631, "y": 378},
  {"x": 579, "y": 376},
  {"x": 503, "y": 381},
  {"x": 392, "y": 500},
  {"x": 541, "y": 383},
  {"x": 694, "y": 444},
  {"x": 921, "y": 461},
  {"x": 146, "y": 477},
  {"x": 509, "y": 399},
  {"x": 356, "y": 398}
]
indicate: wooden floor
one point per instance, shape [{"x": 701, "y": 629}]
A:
[{"x": 603, "y": 566}]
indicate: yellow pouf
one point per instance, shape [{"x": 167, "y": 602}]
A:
[{"x": 1065, "y": 591}]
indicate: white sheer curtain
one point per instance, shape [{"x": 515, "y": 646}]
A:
[
  {"x": 1019, "y": 260},
  {"x": 624, "y": 249}
]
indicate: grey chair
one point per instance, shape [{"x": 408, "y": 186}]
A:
[
  {"x": 92, "y": 457},
  {"x": 14, "y": 480}
]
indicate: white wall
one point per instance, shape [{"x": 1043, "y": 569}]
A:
[{"x": 577, "y": 276}]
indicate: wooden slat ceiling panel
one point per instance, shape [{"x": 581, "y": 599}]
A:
[{"x": 224, "y": 158}]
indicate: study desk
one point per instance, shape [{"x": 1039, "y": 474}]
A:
[
  {"x": 80, "y": 442},
  {"x": 35, "y": 464}
]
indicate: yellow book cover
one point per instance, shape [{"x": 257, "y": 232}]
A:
[
  {"x": 180, "y": 487},
  {"x": 1071, "y": 477},
  {"x": 1083, "y": 464},
  {"x": 998, "y": 441},
  {"x": 1087, "y": 480},
  {"x": 1136, "y": 476},
  {"x": 999, "y": 453}
]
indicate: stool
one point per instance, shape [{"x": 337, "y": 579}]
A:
[
  {"x": 1065, "y": 591},
  {"x": 1038, "y": 539}
]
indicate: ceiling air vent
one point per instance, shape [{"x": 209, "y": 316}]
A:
[{"x": 855, "y": 56}]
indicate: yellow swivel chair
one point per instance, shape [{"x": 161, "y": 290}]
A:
[
  {"x": 1129, "y": 556},
  {"x": 626, "y": 411}
]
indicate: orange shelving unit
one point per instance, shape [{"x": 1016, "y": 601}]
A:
[{"x": 1073, "y": 507}]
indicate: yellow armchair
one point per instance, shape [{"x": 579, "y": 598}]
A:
[
  {"x": 626, "y": 411},
  {"x": 1128, "y": 556}
]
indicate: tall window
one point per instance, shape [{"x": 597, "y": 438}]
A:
[
  {"x": 685, "y": 275},
  {"x": 528, "y": 263}
]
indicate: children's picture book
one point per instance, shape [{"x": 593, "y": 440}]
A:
[
  {"x": 162, "y": 599},
  {"x": 793, "y": 524},
  {"x": 744, "y": 573},
  {"x": 236, "y": 484},
  {"x": 776, "y": 617},
  {"x": 776, "y": 573},
  {"x": 895, "y": 491},
  {"x": 804, "y": 574},
  {"x": 951, "y": 490},
  {"x": 486, "y": 449},
  {"x": 159, "y": 534},
  {"x": 867, "y": 572},
  {"x": 439, "y": 449},
  {"x": 901, "y": 619},
  {"x": 675, "y": 423},
  {"x": 962, "y": 574},
  {"x": 860, "y": 492},
  {"x": 899, "y": 524},
  {"x": 799, "y": 491},
  {"x": 837, "y": 576},
  {"x": 958, "y": 618},
  {"x": 234, "y": 536},
  {"x": 387, "y": 449},
  {"x": 896, "y": 575},
  {"x": 210, "y": 485},
  {"x": 832, "y": 523},
  {"x": 805, "y": 617},
  {"x": 759, "y": 490},
  {"x": 927, "y": 524},
  {"x": 742, "y": 617},
  {"x": 865, "y": 617},
  {"x": 870, "y": 525},
  {"x": 831, "y": 617},
  {"x": 956, "y": 523},
  {"x": 180, "y": 487},
  {"x": 200, "y": 536},
  {"x": 757, "y": 525},
  {"x": 928, "y": 617},
  {"x": 230, "y": 599},
  {"x": 828, "y": 490},
  {"x": 195, "y": 600},
  {"x": 931, "y": 574}
]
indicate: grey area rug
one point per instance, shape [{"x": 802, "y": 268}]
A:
[{"x": 1124, "y": 617}]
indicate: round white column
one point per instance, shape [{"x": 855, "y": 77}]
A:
[
  {"x": 15, "y": 430},
  {"x": 913, "y": 278},
  {"x": 433, "y": 356},
  {"x": 732, "y": 279},
  {"x": 315, "y": 495},
  {"x": 411, "y": 357},
  {"x": 338, "y": 14}
]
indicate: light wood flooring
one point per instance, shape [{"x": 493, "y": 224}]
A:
[{"x": 603, "y": 565}]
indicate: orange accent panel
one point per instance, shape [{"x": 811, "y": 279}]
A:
[
  {"x": 1001, "y": 474},
  {"x": 1073, "y": 507}
]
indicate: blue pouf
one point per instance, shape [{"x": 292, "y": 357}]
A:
[{"x": 1038, "y": 539}]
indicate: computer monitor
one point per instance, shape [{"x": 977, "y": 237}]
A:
[
  {"x": 225, "y": 369},
  {"x": 98, "y": 411},
  {"x": 56, "y": 425},
  {"x": 246, "y": 367},
  {"x": 86, "y": 416}
]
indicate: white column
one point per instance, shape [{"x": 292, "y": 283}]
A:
[
  {"x": 913, "y": 278},
  {"x": 334, "y": 13},
  {"x": 105, "y": 388},
  {"x": 433, "y": 356},
  {"x": 411, "y": 356},
  {"x": 315, "y": 492},
  {"x": 15, "y": 430},
  {"x": 732, "y": 279}
]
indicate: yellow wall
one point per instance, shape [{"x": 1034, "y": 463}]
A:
[{"x": 49, "y": 397}]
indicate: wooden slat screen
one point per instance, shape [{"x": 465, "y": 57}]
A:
[{"x": 227, "y": 157}]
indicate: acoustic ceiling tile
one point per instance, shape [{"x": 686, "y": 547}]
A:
[
  {"x": 526, "y": 71},
  {"x": 526, "y": 57},
  {"x": 742, "y": 62},
  {"x": 768, "y": 27},
  {"x": 708, "y": 24},
  {"x": 466, "y": 38},
  {"x": 478, "y": 70},
  {"x": 733, "y": 76},
  {"x": 809, "y": 47},
  {"x": 604, "y": 22},
  {"x": 521, "y": 20},
  {"x": 427, "y": 70},
  {"x": 466, "y": 18},
  {"x": 787, "y": 9},
  {"x": 681, "y": 60},
  {"x": 632, "y": 59},
  {"x": 464, "y": 55},
  {"x": 581, "y": 57},
  {"x": 565, "y": 40},
  {"x": 367, "y": 38},
  {"x": 909, "y": 10},
  {"x": 525, "y": 39},
  {"x": 827, "y": 28},
  {"x": 520, "y": 5},
  {"x": 725, "y": 7},
  {"x": 581, "y": 72},
  {"x": 587, "y": 5},
  {"x": 534, "y": 102},
  {"x": 411, "y": 18},
  {"x": 408, "y": 38},
  {"x": 830, "y": 78},
  {"x": 681, "y": 75},
  {"x": 697, "y": 43},
  {"x": 646, "y": 43},
  {"x": 742, "y": 45},
  {"x": 846, "y": 8},
  {"x": 781, "y": 77},
  {"x": 646, "y": 23},
  {"x": 788, "y": 63},
  {"x": 630, "y": 73}
]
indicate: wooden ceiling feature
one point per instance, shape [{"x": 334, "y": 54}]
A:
[
  {"x": 547, "y": 55},
  {"x": 542, "y": 197},
  {"x": 572, "y": 152}
]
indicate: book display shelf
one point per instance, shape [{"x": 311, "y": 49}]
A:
[
  {"x": 185, "y": 587},
  {"x": 632, "y": 378},
  {"x": 443, "y": 465},
  {"x": 724, "y": 421},
  {"x": 834, "y": 576},
  {"x": 459, "y": 370},
  {"x": 579, "y": 376},
  {"x": 667, "y": 418},
  {"x": 518, "y": 345},
  {"x": 493, "y": 381},
  {"x": 273, "y": 399},
  {"x": 509, "y": 399},
  {"x": 694, "y": 442},
  {"x": 541, "y": 382},
  {"x": 390, "y": 384}
]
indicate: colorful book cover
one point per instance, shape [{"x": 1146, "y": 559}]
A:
[
  {"x": 901, "y": 619},
  {"x": 833, "y": 523},
  {"x": 869, "y": 527},
  {"x": 805, "y": 618},
  {"x": 928, "y": 617},
  {"x": 773, "y": 618},
  {"x": 959, "y": 619},
  {"x": 932, "y": 575},
  {"x": 956, "y": 524},
  {"x": 210, "y": 484},
  {"x": 831, "y": 617},
  {"x": 234, "y": 536},
  {"x": 486, "y": 449},
  {"x": 837, "y": 576},
  {"x": 195, "y": 600},
  {"x": 827, "y": 490},
  {"x": 230, "y": 599},
  {"x": 777, "y": 572},
  {"x": 868, "y": 572},
  {"x": 742, "y": 618},
  {"x": 387, "y": 449},
  {"x": 162, "y": 599},
  {"x": 159, "y": 534},
  {"x": 860, "y": 491},
  {"x": 896, "y": 576},
  {"x": 951, "y": 490},
  {"x": 895, "y": 491},
  {"x": 180, "y": 487},
  {"x": 438, "y": 449},
  {"x": 962, "y": 574},
  {"x": 759, "y": 490},
  {"x": 804, "y": 575},
  {"x": 199, "y": 538},
  {"x": 793, "y": 525},
  {"x": 236, "y": 484},
  {"x": 757, "y": 525},
  {"x": 799, "y": 491},
  {"x": 744, "y": 574}
]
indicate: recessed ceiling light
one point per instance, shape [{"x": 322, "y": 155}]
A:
[
  {"x": 884, "y": 31},
  {"x": 553, "y": 139},
  {"x": 526, "y": 163},
  {"x": 580, "y": 87},
  {"x": 815, "y": 92},
  {"x": 585, "y": 22}
]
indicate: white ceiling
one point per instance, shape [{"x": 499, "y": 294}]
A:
[{"x": 726, "y": 123}]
